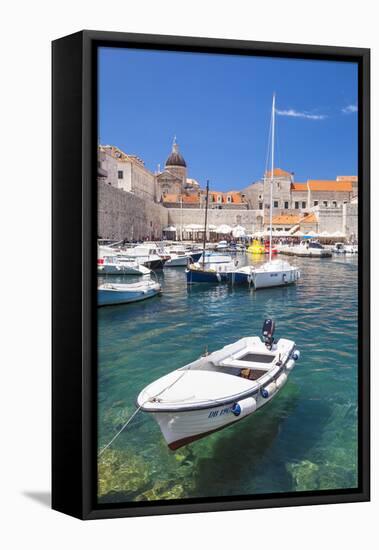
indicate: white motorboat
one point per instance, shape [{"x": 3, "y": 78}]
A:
[
  {"x": 309, "y": 249},
  {"x": 222, "y": 245},
  {"x": 274, "y": 272},
  {"x": 351, "y": 249},
  {"x": 148, "y": 255},
  {"x": 219, "y": 389},
  {"x": 178, "y": 260},
  {"x": 342, "y": 248},
  {"x": 111, "y": 294},
  {"x": 119, "y": 265}
]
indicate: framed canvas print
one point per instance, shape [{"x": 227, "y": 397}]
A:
[{"x": 210, "y": 274}]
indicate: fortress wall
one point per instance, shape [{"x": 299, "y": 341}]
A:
[{"x": 123, "y": 215}]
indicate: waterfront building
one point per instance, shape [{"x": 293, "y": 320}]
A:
[
  {"x": 176, "y": 200},
  {"x": 289, "y": 195},
  {"x": 132, "y": 174}
]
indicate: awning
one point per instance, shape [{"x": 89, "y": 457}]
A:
[
  {"x": 193, "y": 227},
  {"x": 223, "y": 229},
  {"x": 170, "y": 228}
]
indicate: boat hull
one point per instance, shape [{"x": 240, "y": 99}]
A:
[
  {"x": 179, "y": 261},
  {"x": 216, "y": 277},
  {"x": 181, "y": 428},
  {"x": 267, "y": 279},
  {"x": 123, "y": 270},
  {"x": 111, "y": 298}
]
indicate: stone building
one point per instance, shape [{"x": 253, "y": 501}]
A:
[
  {"x": 314, "y": 206},
  {"x": 131, "y": 172},
  {"x": 173, "y": 179},
  {"x": 106, "y": 168},
  {"x": 290, "y": 195}
]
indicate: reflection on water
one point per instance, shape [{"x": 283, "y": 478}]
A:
[{"x": 304, "y": 439}]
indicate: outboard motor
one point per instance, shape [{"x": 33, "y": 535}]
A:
[{"x": 268, "y": 332}]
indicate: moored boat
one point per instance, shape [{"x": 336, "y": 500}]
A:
[
  {"x": 119, "y": 265},
  {"x": 219, "y": 389},
  {"x": 256, "y": 248},
  {"x": 311, "y": 249},
  {"x": 112, "y": 294},
  {"x": 274, "y": 272},
  {"x": 270, "y": 274}
]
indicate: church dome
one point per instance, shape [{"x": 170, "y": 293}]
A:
[{"x": 175, "y": 158}]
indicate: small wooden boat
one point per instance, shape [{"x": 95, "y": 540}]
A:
[
  {"x": 110, "y": 294},
  {"x": 219, "y": 389}
]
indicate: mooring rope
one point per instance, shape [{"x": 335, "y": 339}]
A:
[{"x": 121, "y": 430}]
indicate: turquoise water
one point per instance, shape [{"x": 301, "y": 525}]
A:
[{"x": 304, "y": 439}]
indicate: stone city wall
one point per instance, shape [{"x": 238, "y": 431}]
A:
[
  {"x": 123, "y": 215},
  {"x": 232, "y": 217}
]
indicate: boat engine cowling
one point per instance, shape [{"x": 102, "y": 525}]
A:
[{"x": 268, "y": 332}]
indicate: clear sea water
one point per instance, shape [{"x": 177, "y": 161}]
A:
[{"x": 304, "y": 439}]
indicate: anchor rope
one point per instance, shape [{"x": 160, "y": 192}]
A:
[
  {"x": 137, "y": 411},
  {"x": 121, "y": 430}
]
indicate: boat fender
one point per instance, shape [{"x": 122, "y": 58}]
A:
[
  {"x": 281, "y": 380},
  {"x": 296, "y": 355},
  {"x": 268, "y": 390},
  {"x": 244, "y": 407},
  {"x": 218, "y": 277},
  {"x": 284, "y": 278},
  {"x": 290, "y": 364}
]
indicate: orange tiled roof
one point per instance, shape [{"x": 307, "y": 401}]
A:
[
  {"x": 190, "y": 199},
  {"x": 286, "y": 219},
  {"x": 171, "y": 198},
  {"x": 236, "y": 197},
  {"x": 309, "y": 218},
  {"x": 278, "y": 172},
  {"x": 299, "y": 187},
  {"x": 347, "y": 178},
  {"x": 187, "y": 199},
  {"x": 330, "y": 185}
]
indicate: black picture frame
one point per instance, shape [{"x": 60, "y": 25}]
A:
[{"x": 74, "y": 203}]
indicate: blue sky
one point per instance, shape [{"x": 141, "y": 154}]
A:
[{"x": 219, "y": 108}]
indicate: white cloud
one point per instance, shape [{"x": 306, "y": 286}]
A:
[
  {"x": 300, "y": 114},
  {"x": 350, "y": 109}
]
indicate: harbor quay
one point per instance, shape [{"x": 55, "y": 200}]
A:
[{"x": 136, "y": 204}]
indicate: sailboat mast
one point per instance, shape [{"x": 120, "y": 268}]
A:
[
  {"x": 272, "y": 169},
  {"x": 205, "y": 221}
]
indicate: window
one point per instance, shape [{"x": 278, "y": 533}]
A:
[
  {"x": 229, "y": 198},
  {"x": 219, "y": 198},
  {"x": 276, "y": 204},
  {"x": 335, "y": 204},
  {"x": 315, "y": 203},
  {"x": 325, "y": 203},
  {"x": 260, "y": 206},
  {"x": 296, "y": 204},
  {"x": 260, "y": 197},
  {"x": 303, "y": 204},
  {"x": 120, "y": 174},
  {"x": 285, "y": 204}
]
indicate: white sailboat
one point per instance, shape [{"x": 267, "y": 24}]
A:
[{"x": 276, "y": 272}]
